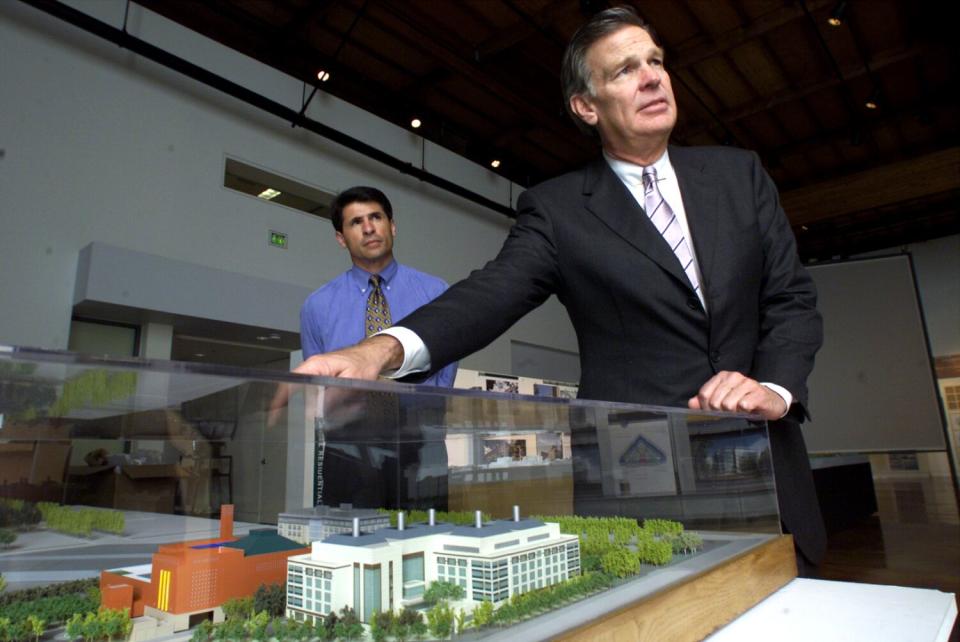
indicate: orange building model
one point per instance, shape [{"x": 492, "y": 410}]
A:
[{"x": 189, "y": 580}]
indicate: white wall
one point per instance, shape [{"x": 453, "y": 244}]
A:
[
  {"x": 937, "y": 266},
  {"x": 100, "y": 145}
]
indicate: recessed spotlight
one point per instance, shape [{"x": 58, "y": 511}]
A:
[
  {"x": 804, "y": 228},
  {"x": 870, "y": 104},
  {"x": 199, "y": 354},
  {"x": 323, "y": 76},
  {"x": 836, "y": 16},
  {"x": 268, "y": 194},
  {"x": 495, "y": 163},
  {"x": 415, "y": 123}
]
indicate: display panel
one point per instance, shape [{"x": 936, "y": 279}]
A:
[{"x": 175, "y": 488}]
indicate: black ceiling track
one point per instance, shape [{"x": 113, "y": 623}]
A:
[{"x": 165, "y": 58}]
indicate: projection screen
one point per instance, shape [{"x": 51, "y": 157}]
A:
[{"x": 873, "y": 387}]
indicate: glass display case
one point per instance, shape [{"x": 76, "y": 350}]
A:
[{"x": 129, "y": 472}]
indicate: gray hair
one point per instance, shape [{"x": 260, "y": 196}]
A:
[{"x": 574, "y": 71}]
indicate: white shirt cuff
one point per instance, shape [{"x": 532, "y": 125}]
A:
[
  {"x": 783, "y": 393},
  {"x": 416, "y": 357}
]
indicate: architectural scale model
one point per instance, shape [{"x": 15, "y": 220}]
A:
[
  {"x": 313, "y": 524},
  {"x": 189, "y": 581},
  {"x": 391, "y": 568}
]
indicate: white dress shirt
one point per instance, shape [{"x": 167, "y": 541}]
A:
[{"x": 416, "y": 357}]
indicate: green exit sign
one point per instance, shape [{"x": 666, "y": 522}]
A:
[{"x": 278, "y": 239}]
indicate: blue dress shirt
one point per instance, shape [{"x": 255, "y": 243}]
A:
[{"x": 333, "y": 316}]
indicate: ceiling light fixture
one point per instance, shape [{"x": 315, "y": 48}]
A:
[
  {"x": 323, "y": 76},
  {"x": 873, "y": 101},
  {"x": 268, "y": 194},
  {"x": 495, "y": 163},
  {"x": 415, "y": 123},
  {"x": 836, "y": 17}
]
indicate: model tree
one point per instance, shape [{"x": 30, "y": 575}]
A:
[
  {"x": 272, "y": 599},
  {"x": 440, "y": 620},
  {"x": 443, "y": 591}
]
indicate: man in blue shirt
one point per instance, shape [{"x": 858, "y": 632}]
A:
[
  {"x": 333, "y": 317},
  {"x": 378, "y": 459}
]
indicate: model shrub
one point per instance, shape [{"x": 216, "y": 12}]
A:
[
  {"x": 662, "y": 526},
  {"x": 381, "y": 625},
  {"x": 462, "y": 518},
  {"x": 108, "y": 521},
  {"x": 231, "y": 630},
  {"x": 238, "y": 608},
  {"x": 7, "y": 537},
  {"x": 443, "y": 591},
  {"x": 409, "y": 625},
  {"x": 658, "y": 552},
  {"x": 202, "y": 632},
  {"x": 620, "y": 563},
  {"x": 13, "y": 630},
  {"x": 348, "y": 626},
  {"x": 36, "y": 626},
  {"x": 272, "y": 599},
  {"x": 104, "y": 624},
  {"x": 685, "y": 542},
  {"x": 520, "y": 607},
  {"x": 81, "y": 521},
  {"x": 52, "y": 590},
  {"x": 256, "y": 626},
  {"x": 53, "y": 609},
  {"x": 93, "y": 386},
  {"x": 17, "y": 513},
  {"x": 440, "y": 620}
]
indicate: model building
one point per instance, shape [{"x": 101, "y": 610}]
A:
[
  {"x": 188, "y": 581},
  {"x": 391, "y": 568},
  {"x": 312, "y": 524}
]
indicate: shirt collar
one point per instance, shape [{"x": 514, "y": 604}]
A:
[
  {"x": 361, "y": 278},
  {"x": 631, "y": 174}
]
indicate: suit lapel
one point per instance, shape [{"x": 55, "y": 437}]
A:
[
  {"x": 700, "y": 202},
  {"x": 609, "y": 200}
]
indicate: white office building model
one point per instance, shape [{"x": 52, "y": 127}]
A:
[
  {"x": 391, "y": 568},
  {"x": 313, "y": 524}
]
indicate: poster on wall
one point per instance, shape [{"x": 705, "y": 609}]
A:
[
  {"x": 499, "y": 383},
  {"x": 639, "y": 458}
]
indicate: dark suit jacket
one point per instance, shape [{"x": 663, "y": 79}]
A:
[{"x": 642, "y": 333}]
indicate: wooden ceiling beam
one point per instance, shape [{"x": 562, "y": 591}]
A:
[
  {"x": 520, "y": 31},
  {"x": 906, "y": 180},
  {"x": 703, "y": 47},
  {"x": 454, "y": 60},
  {"x": 793, "y": 93}
]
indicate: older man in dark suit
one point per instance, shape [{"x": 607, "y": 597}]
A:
[{"x": 677, "y": 266}]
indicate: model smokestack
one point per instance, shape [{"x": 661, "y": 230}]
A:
[
  {"x": 478, "y": 519},
  {"x": 401, "y": 520},
  {"x": 226, "y": 521},
  {"x": 356, "y": 527},
  {"x": 516, "y": 513},
  {"x": 432, "y": 517}
]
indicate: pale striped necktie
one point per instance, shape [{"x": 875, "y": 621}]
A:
[{"x": 667, "y": 224}]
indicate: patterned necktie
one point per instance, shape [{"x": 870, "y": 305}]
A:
[
  {"x": 667, "y": 224},
  {"x": 378, "y": 312}
]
